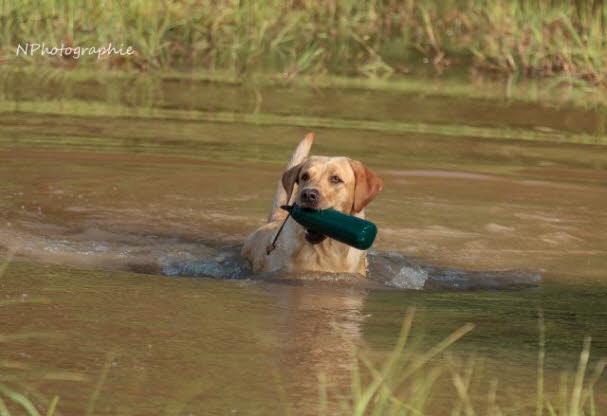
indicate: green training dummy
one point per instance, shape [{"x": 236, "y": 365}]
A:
[{"x": 347, "y": 229}]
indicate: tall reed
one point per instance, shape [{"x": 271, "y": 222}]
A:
[{"x": 290, "y": 37}]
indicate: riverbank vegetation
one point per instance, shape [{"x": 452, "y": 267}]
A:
[{"x": 291, "y": 37}]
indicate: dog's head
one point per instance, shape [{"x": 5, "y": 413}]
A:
[{"x": 332, "y": 182}]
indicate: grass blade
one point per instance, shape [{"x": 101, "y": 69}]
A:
[{"x": 20, "y": 399}]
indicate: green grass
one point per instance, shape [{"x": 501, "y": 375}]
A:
[
  {"x": 372, "y": 38},
  {"x": 406, "y": 383}
]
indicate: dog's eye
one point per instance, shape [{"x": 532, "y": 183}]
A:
[
  {"x": 335, "y": 179},
  {"x": 305, "y": 177}
]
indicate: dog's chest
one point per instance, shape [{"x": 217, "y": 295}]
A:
[
  {"x": 295, "y": 254},
  {"x": 329, "y": 256}
]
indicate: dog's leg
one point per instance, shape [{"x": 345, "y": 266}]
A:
[{"x": 280, "y": 196}]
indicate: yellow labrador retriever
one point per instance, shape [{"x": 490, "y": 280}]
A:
[{"x": 316, "y": 182}]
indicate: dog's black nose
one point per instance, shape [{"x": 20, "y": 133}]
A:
[{"x": 310, "y": 195}]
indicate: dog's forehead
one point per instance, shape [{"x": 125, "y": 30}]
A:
[{"x": 326, "y": 164}]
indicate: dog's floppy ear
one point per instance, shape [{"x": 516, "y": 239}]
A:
[
  {"x": 367, "y": 185},
  {"x": 289, "y": 179}
]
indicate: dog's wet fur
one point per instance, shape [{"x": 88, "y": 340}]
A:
[{"x": 313, "y": 182}]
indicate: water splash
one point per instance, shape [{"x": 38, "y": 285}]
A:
[
  {"x": 228, "y": 265},
  {"x": 386, "y": 269},
  {"x": 152, "y": 254},
  {"x": 397, "y": 271}
]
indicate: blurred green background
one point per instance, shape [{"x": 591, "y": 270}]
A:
[{"x": 372, "y": 38}]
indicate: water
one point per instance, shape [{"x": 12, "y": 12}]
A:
[{"x": 108, "y": 182}]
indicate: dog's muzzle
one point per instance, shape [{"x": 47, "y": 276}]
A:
[{"x": 309, "y": 198}]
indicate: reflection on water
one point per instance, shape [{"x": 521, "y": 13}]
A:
[
  {"x": 99, "y": 193},
  {"x": 323, "y": 327}
]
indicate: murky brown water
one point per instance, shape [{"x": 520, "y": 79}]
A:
[{"x": 102, "y": 182}]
